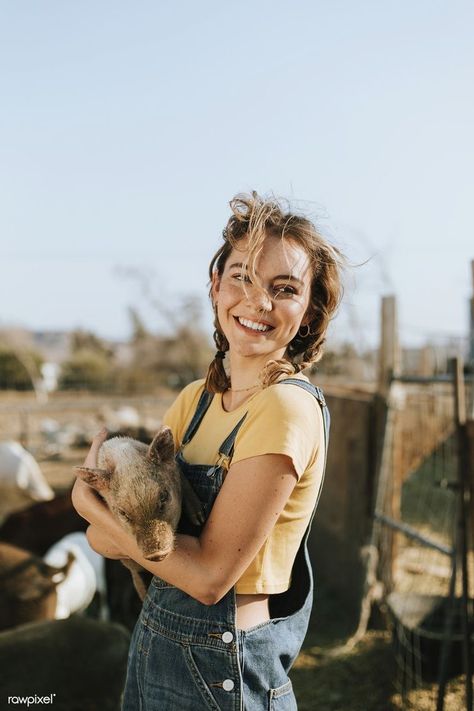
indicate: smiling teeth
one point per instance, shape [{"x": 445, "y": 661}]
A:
[{"x": 253, "y": 325}]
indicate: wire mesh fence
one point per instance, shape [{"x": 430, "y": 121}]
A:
[{"x": 417, "y": 513}]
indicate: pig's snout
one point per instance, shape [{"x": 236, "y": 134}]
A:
[
  {"x": 158, "y": 557},
  {"x": 157, "y": 542}
]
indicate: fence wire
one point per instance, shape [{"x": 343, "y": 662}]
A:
[{"x": 417, "y": 514}]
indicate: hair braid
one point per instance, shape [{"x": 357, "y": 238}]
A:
[{"x": 217, "y": 380}]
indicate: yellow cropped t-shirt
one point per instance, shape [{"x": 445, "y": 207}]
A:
[{"x": 281, "y": 419}]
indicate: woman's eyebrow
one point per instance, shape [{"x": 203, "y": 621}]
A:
[
  {"x": 238, "y": 265},
  {"x": 289, "y": 277}
]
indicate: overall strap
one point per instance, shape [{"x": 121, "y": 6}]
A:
[
  {"x": 227, "y": 447},
  {"x": 226, "y": 450},
  {"x": 318, "y": 394},
  {"x": 201, "y": 409}
]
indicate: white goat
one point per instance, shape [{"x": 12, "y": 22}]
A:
[
  {"x": 21, "y": 479},
  {"x": 85, "y": 577}
]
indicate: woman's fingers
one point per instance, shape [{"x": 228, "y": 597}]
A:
[
  {"x": 99, "y": 439},
  {"x": 79, "y": 498},
  {"x": 103, "y": 544}
]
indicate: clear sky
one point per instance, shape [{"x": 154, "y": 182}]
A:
[{"x": 125, "y": 128}]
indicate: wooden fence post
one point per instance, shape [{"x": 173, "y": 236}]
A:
[
  {"x": 470, "y": 455},
  {"x": 471, "y": 324},
  {"x": 463, "y": 522},
  {"x": 389, "y": 353},
  {"x": 389, "y": 367}
]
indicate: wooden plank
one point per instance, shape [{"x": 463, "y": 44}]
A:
[
  {"x": 389, "y": 351},
  {"x": 470, "y": 476},
  {"x": 412, "y": 533}
]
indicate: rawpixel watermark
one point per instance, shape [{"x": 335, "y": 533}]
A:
[{"x": 30, "y": 700}]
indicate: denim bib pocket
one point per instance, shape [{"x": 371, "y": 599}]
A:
[
  {"x": 282, "y": 698},
  {"x": 199, "y": 680},
  {"x": 218, "y": 667}
]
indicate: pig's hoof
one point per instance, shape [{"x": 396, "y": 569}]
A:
[{"x": 197, "y": 517}]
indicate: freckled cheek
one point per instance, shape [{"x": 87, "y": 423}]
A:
[
  {"x": 224, "y": 305},
  {"x": 228, "y": 297},
  {"x": 233, "y": 290},
  {"x": 292, "y": 315}
]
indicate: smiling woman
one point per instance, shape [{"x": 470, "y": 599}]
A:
[
  {"x": 289, "y": 279},
  {"x": 259, "y": 318},
  {"x": 228, "y": 608}
]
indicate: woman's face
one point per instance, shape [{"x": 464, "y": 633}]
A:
[{"x": 261, "y": 319}]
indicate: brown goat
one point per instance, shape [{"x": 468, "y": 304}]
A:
[
  {"x": 39, "y": 526},
  {"x": 27, "y": 586}
]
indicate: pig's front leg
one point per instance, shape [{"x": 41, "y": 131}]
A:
[
  {"x": 141, "y": 577},
  {"x": 192, "y": 505}
]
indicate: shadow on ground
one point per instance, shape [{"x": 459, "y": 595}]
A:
[{"x": 361, "y": 679}]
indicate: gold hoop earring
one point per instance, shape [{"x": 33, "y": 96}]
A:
[{"x": 308, "y": 331}]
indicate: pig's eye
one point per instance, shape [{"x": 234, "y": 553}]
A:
[
  {"x": 164, "y": 497},
  {"x": 124, "y": 514}
]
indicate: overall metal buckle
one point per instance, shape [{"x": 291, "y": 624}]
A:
[{"x": 223, "y": 462}]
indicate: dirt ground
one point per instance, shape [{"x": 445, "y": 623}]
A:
[{"x": 363, "y": 679}]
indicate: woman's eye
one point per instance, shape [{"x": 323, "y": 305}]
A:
[
  {"x": 284, "y": 289},
  {"x": 241, "y": 277}
]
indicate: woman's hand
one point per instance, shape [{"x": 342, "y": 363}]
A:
[
  {"x": 84, "y": 499},
  {"x": 105, "y": 535}
]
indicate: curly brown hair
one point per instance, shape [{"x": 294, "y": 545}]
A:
[{"x": 256, "y": 218}]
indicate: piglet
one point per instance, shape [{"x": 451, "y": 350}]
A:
[{"x": 143, "y": 487}]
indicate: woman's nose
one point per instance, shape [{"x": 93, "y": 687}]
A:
[{"x": 260, "y": 298}]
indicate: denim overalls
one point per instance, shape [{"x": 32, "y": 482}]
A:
[{"x": 186, "y": 656}]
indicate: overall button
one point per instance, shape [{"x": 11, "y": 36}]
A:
[
  {"x": 227, "y": 637},
  {"x": 228, "y": 685}
]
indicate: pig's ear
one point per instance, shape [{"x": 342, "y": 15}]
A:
[
  {"x": 162, "y": 447},
  {"x": 97, "y": 478}
]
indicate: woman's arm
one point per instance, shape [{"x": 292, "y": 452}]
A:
[
  {"x": 245, "y": 511},
  {"x": 250, "y": 501}
]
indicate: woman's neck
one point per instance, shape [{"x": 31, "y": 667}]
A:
[
  {"x": 244, "y": 372},
  {"x": 231, "y": 401}
]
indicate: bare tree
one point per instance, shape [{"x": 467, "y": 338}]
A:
[{"x": 20, "y": 343}]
